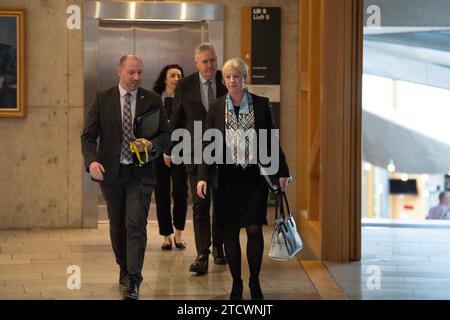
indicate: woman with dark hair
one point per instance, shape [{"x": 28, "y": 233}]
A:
[
  {"x": 166, "y": 171},
  {"x": 167, "y": 80}
]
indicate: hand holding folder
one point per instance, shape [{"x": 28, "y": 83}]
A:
[{"x": 146, "y": 126}]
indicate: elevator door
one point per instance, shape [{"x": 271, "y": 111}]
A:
[{"x": 158, "y": 44}]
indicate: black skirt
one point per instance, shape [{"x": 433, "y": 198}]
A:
[{"x": 240, "y": 199}]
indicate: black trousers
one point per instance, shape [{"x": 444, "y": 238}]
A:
[
  {"x": 202, "y": 220},
  {"x": 164, "y": 176},
  {"x": 128, "y": 201}
]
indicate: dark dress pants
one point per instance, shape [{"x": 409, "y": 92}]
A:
[
  {"x": 128, "y": 201},
  {"x": 164, "y": 176},
  {"x": 202, "y": 219}
]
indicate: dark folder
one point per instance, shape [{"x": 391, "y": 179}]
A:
[{"x": 147, "y": 124}]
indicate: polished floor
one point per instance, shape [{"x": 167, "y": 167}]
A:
[
  {"x": 397, "y": 263},
  {"x": 33, "y": 265}
]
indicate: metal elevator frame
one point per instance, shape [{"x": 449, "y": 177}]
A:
[{"x": 96, "y": 11}]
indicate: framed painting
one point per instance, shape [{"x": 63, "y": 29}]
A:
[{"x": 12, "y": 62}]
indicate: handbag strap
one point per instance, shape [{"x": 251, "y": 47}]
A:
[
  {"x": 287, "y": 204},
  {"x": 280, "y": 201},
  {"x": 278, "y": 212}
]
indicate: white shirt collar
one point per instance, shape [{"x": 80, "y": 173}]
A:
[
  {"x": 124, "y": 92},
  {"x": 203, "y": 80}
]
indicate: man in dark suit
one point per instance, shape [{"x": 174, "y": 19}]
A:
[
  {"x": 193, "y": 95},
  {"x": 125, "y": 186}
]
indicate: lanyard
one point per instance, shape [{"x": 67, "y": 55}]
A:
[{"x": 134, "y": 149}]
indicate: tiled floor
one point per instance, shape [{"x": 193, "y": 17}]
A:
[
  {"x": 33, "y": 265},
  {"x": 413, "y": 263}
]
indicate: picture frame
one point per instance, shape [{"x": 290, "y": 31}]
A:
[{"x": 12, "y": 63}]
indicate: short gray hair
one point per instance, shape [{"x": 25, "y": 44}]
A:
[
  {"x": 205, "y": 46},
  {"x": 239, "y": 64}
]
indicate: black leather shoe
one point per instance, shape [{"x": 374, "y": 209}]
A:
[
  {"x": 200, "y": 265},
  {"x": 166, "y": 246},
  {"x": 132, "y": 292},
  {"x": 179, "y": 245},
  {"x": 220, "y": 260},
  {"x": 255, "y": 290},
  {"x": 219, "y": 257},
  {"x": 123, "y": 278},
  {"x": 236, "y": 291}
]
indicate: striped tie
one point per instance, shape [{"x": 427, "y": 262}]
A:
[
  {"x": 211, "y": 96},
  {"x": 127, "y": 124}
]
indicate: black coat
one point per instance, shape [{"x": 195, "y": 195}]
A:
[
  {"x": 263, "y": 120},
  {"x": 187, "y": 106},
  {"x": 105, "y": 120}
]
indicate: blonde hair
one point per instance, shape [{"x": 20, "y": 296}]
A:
[{"x": 239, "y": 64}]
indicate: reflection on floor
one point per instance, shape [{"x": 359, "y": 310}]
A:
[
  {"x": 33, "y": 265},
  {"x": 411, "y": 264}
]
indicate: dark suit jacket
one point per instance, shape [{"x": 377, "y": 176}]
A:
[
  {"x": 168, "y": 102},
  {"x": 105, "y": 120},
  {"x": 263, "y": 120},
  {"x": 188, "y": 107}
]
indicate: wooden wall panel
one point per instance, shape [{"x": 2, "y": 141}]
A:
[{"x": 330, "y": 73}]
